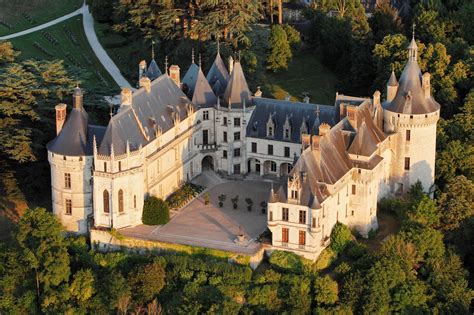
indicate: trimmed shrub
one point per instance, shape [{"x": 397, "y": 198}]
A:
[
  {"x": 340, "y": 236},
  {"x": 155, "y": 212}
]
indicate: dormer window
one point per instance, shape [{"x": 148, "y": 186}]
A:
[
  {"x": 270, "y": 126},
  {"x": 294, "y": 194},
  {"x": 270, "y": 131},
  {"x": 287, "y": 128},
  {"x": 287, "y": 133}
]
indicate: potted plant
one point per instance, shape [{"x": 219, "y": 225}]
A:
[
  {"x": 222, "y": 198},
  {"x": 206, "y": 198},
  {"x": 249, "y": 203},
  {"x": 235, "y": 201},
  {"x": 263, "y": 205}
]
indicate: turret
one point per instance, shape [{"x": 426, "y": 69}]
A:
[
  {"x": 77, "y": 98},
  {"x": 392, "y": 86}
]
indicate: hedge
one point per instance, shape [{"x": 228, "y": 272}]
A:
[{"x": 155, "y": 212}]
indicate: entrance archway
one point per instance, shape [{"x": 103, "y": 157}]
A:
[
  {"x": 285, "y": 169},
  {"x": 207, "y": 163},
  {"x": 270, "y": 168},
  {"x": 253, "y": 166}
]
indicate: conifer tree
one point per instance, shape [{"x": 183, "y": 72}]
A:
[{"x": 280, "y": 53}]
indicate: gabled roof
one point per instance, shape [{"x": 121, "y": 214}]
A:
[
  {"x": 149, "y": 110},
  {"x": 153, "y": 70},
  {"x": 218, "y": 71},
  {"x": 363, "y": 144},
  {"x": 203, "y": 94},
  {"x": 190, "y": 78},
  {"x": 237, "y": 91}
]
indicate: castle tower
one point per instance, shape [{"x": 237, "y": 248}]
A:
[
  {"x": 410, "y": 116},
  {"x": 70, "y": 159}
]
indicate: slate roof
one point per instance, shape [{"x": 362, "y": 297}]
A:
[
  {"x": 153, "y": 70},
  {"x": 137, "y": 123},
  {"x": 190, "y": 78},
  {"x": 237, "y": 91},
  {"x": 392, "y": 81},
  {"x": 219, "y": 72},
  {"x": 72, "y": 140},
  {"x": 203, "y": 95},
  {"x": 257, "y": 126}
]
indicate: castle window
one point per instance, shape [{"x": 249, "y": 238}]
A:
[
  {"x": 225, "y": 136},
  {"x": 254, "y": 147},
  {"x": 225, "y": 121},
  {"x": 407, "y": 163},
  {"x": 237, "y": 152},
  {"x": 134, "y": 201},
  {"x": 284, "y": 235},
  {"x": 284, "y": 214},
  {"x": 67, "y": 180},
  {"x": 236, "y": 121},
  {"x": 287, "y": 152},
  {"x": 407, "y": 135},
  {"x": 353, "y": 189},
  {"x": 287, "y": 133},
  {"x": 105, "y": 166},
  {"x": 236, "y": 168},
  {"x": 314, "y": 223},
  {"x": 120, "y": 166},
  {"x": 270, "y": 131},
  {"x": 302, "y": 217},
  {"x": 352, "y": 213},
  {"x": 270, "y": 149},
  {"x": 106, "y": 201},
  {"x": 205, "y": 115},
  {"x": 64, "y": 158},
  {"x": 294, "y": 194},
  {"x": 80, "y": 158},
  {"x": 271, "y": 216},
  {"x": 120, "y": 200},
  {"x": 68, "y": 207},
  {"x": 224, "y": 154},
  {"x": 359, "y": 171},
  {"x": 236, "y": 136},
  {"x": 411, "y": 116},
  {"x": 273, "y": 166},
  {"x": 302, "y": 238}
]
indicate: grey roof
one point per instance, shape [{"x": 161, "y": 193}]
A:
[
  {"x": 153, "y": 70},
  {"x": 190, "y": 78},
  {"x": 219, "y": 72},
  {"x": 393, "y": 80},
  {"x": 203, "y": 94},
  {"x": 137, "y": 123},
  {"x": 218, "y": 88},
  {"x": 76, "y": 136},
  {"x": 410, "y": 98},
  {"x": 237, "y": 91},
  {"x": 364, "y": 143},
  {"x": 280, "y": 109}
]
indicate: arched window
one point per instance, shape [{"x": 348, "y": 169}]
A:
[
  {"x": 134, "y": 201},
  {"x": 106, "y": 202},
  {"x": 120, "y": 200}
]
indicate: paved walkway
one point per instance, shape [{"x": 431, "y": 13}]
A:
[{"x": 99, "y": 51}]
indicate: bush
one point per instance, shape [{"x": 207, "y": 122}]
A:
[
  {"x": 342, "y": 269},
  {"x": 222, "y": 198},
  {"x": 286, "y": 261},
  {"x": 206, "y": 198},
  {"x": 325, "y": 259},
  {"x": 356, "y": 250},
  {"x": 393, "y": 205},
  {"x": 155, "y": 212},
  {"x": 340, "y": 237},
  {"x": 235, "y": 201}
]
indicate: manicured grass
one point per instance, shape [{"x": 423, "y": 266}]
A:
[
  {"x": 19, "y": 15},
  {"x": 67, "y": 41}
]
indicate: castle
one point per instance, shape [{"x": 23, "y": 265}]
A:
[{"x": 337, "y": 160}]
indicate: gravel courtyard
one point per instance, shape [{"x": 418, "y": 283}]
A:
[{"x": 214, "y": 227}]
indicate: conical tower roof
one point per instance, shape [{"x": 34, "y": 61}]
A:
[
  {"x": 153, "y": 70},
  {"x": 392, "y": 81},
  {"x": 218, "y": 72},
  {"x": 237, "y": 91},
  {"x": 203, "y": 95},
  {"x": 190, "y": 78}
]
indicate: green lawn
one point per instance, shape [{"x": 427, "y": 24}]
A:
[
  {"x": 19, "y": 15},
  {"x": 67, "y": 41}
]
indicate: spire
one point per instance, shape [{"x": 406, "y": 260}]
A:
[
  {"x": 218, "y": 47},
  {"x": 152, "y": 50},
  {"x": 166, "y": 64},
  {"x": 77, "y": 97},
  {"x": 192, "y": 55},
  {"x": 392, "y": 81},
  {"x": 200, "y": 61},
  {"x": 413, "y": 47}
]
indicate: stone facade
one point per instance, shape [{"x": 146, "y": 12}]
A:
[{"x": 336, "y": 162}]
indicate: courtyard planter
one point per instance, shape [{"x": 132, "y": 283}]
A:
[{"x": 249, "y": 204}]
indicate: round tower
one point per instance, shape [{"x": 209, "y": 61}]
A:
[
  {"x": 70, "y": 159},
  {"x": 410, "y": 118}
]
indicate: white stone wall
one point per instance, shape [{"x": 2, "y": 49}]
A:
[{"x": 80, "y": 193}]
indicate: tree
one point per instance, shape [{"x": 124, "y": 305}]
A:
[
  {"x": 428, "y": 242},
  {"x": 409, "y": 298},
  {"x": 385, "y": 21},
  {"x": 280, "y": 53},
  {"x": 456, "y": 159},
  {"x": 341, "y": 236},
  {"x": 146, "y": 282},
  {"x": 43, "y": 250},
  {"x": 325, "y": 291},
  {"x": 293, "y": 36},
  {"x": 82, "y": 288},
  {"x": 425, "y": 212},
  {"x": 429, "y": 27},
  {"x": 7, "y": 53},
  {"x": 155, "y": 211}
]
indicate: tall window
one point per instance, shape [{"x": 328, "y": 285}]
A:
[
  {"x": 270, "y": 149},
  {"x": 236, "y": 136},
  {"x": 105, "y": 166},
  {"x": 407, "y": 163},
  {"x": 106, "y": 201},
  {"x": 236, "y": 121},
  {"x": 237, "y": 152},
  {"x": 302, "y": 218},
  {"x": 67, "y": 180},
  {"x": 225, "y": 136},
  {"x": 236, "y": 168},
  {"x": 135, "y": 201},
  {"x": 408, "y": 135},
  {"x": 224, "y": 154},
  {"x": 273, "y": 166},
  {"x": 294, "y": 194},
  {"x": 354, "y": 189},
  {"x": 314, "y": 223},
  {"x": 225, "y": 121},
  {"x": 205, "y": 115},
  {"x": 302, "y": 238},
  {"x": 270, "y": 131},
  {"x": 287, "y": 133},
  {"x": 284, "y": 214},
  {"x": 68, "y": 207},
  {"x": 284, "y": 235},
  {"x": 287, "y": 152},
  {"x": 271, "y": 216},
  {"x": 254, "y": 147},
  {"x": 120, "y": 166},
  {"x": 120, "y": 200}
]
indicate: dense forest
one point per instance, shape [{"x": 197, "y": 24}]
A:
[{"x": 427, "y": 267}]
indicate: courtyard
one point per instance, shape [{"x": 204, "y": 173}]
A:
[{"x": 211, "y": 226}]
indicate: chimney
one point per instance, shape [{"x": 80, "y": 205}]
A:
[
  {"x": 306, "y": 99},
  {"x": 305, "y": 140},
  {"x": 77, "y": 98},
  {"x": 258, "y": 93},
  {"x": 324, "y": 129},
  {"x": 352, "y": 115},
  {"x": 376, "y": 99},
  {"x": 126, "y": 96},
  {"x": 174, "y": 74},
  {"x": 141, "y": 69},
  {"x": 315, "y": 146},
  {"x": 425, "y": 83},
  {"x": 145, "y": 82},
  {"x": 60, "y": 117},
  {"x": 231, "y": 64}
]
